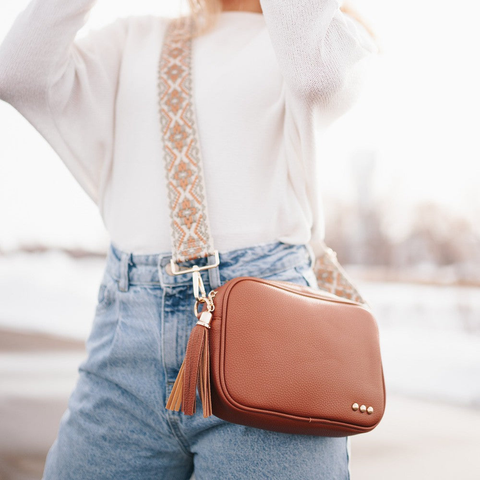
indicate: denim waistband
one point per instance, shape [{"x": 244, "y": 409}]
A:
[{"x": 150, "y": 269}]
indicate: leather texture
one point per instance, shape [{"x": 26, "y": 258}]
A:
[
  {"x": 194, "y": 351},
  {"x": 293, "y": 359}
]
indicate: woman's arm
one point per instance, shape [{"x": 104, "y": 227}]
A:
[
  {"x": 64, "y": 87},
  {"x": 320, "y": 50}
]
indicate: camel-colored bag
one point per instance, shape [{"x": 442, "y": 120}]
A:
[{"x": 268, "y": 354}]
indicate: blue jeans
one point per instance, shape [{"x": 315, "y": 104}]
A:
[{"x": 116, "y": 425}]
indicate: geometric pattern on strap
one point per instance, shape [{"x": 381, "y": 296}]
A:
[
  {"x": 190, "y": 228},
  {"x": 332, "y": 277}
]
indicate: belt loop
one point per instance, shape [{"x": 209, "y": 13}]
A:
[
  {"x": 162, "y": 269},
  {"x": 125, "y": 261},
  {"x": 213, "y": 274}
]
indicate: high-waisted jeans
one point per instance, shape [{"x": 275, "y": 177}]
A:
[{"x": 116, "y": 425}]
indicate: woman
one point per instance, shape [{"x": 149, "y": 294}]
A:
[{"x": 269, "y": 76}]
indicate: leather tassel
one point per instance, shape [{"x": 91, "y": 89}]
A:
[
  {"x": 204, "y": 376},
  {"x": 194, "y": 373},
  {"x": 175, "y": 398}
]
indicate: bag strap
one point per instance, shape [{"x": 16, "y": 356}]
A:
[
  {"x": 190, "y": 229},
  {"x": 331, "y": 276}
]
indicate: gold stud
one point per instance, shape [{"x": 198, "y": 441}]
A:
[
  {"x": 363, "y": 408},
  {"x": 355, "y": 407},
  {"x": 370, "y": 410}
]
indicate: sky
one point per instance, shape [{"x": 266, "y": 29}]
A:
[{"x": 417, "y": 116}]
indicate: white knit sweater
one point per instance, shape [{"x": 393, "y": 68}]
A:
[{"x": 265, "y": 85}]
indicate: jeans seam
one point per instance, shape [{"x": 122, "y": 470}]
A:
[
  {"x": 349, "y": 472},
  {"x": 177, "y": 434}
]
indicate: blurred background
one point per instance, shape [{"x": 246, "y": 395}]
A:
[{"x": 400, "y": 191}]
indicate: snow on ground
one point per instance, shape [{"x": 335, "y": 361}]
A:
[
  {"x": 49, "y": 292},
  {"x": 42, "y": 376}
]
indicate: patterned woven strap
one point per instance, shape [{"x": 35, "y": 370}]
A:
[
  {"x": 332, "y": 277},
  {"x": 190, "y": 228}
]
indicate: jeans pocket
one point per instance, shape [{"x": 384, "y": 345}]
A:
[
  {"x": 106, "y": 294},
  {"x": 104, "y": 326}
]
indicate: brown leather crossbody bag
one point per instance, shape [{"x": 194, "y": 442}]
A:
[{"x": 268, "y": 354}]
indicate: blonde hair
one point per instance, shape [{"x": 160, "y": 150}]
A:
[{"x": 205, "y": 15}]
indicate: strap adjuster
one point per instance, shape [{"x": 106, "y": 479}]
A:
[{"x": 174, "y": 269}]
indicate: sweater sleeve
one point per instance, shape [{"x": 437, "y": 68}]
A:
[
  {"x": 321, "y": 52},
  {"x": 65, "y": 87}
]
